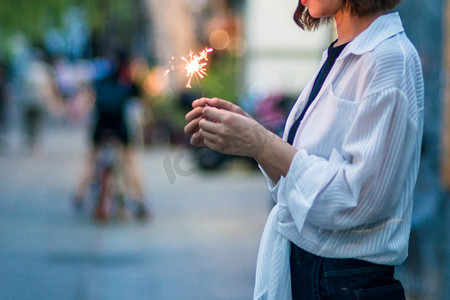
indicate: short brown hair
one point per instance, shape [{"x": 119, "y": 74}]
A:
[{"x": 359, "y": 8}]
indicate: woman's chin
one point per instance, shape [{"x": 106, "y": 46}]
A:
[
  {"x": 314, "y": 14},
  {"x": 319, "y": 13}
]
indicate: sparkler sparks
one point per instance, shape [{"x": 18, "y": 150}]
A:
[
  {"x": 195, "y": 65},
  {"x": 170, "y": 67}
]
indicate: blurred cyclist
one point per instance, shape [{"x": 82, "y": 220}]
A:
[{"x": 112, "y": 94}]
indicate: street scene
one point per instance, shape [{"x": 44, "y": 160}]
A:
[
  {"x": 102, "y": 194},
  {"x": 201, "y": 242}
]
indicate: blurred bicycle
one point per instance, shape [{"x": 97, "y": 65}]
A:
[
  {"x": 107, "y": 191},
  {"x": 111, "y": 164}
]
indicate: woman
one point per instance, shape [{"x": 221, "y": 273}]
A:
[{"x": 343, "y": 175}]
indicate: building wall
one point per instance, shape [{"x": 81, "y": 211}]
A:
[
  {"x": 281, "y": 57},
  {"x": 446, "y": 103}
]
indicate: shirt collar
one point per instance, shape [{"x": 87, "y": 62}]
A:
[{"x": 381, "y": 29}]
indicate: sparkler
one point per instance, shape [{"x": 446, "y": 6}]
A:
[{"x": 196, "y": 66}]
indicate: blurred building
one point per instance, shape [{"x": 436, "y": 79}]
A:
[{"x": 446, "y": 105}]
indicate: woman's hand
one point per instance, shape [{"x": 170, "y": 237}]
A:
[
  {"x": 195, "y": 116},
  {"x": 225, "y": 127},
  {"x": 232, "y": 132}
]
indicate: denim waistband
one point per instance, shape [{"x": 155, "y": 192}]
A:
[{"x": 337, "y": 263}]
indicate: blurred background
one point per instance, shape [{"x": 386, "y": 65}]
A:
[{"x": 179, "y": 222}]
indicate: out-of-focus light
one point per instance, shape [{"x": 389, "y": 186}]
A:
[
  {"x": 155, "y": 84},
  {"x": 138, "y": 69},
  {"x": 219, "y": 39},
  {"x": 239, "y": 47}
]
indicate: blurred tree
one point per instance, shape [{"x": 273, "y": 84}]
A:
[{"x": 34, "y": 18}]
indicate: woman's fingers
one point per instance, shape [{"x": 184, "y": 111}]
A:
[
  {"x": 195, "y": 117},
  {"x": 221, "y": 104},
  {"x": 226, "y": 105},
  {"x": 199, "y": 103},
  {"x": 215, "y": 114},
  {"x": 195, "y": 113},
  {"x": 211, "y": 145},
  {"x": 208, "y": 136},
  {"x": 209, "y": 126},
  {"x": 212, "y": 141},
  {"x": 214, "y": 102},
  {"x": 192, "y": 126},
  {"x": 197, "y": 140}
]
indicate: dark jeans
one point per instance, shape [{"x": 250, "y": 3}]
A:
[{"x": 315, "y": 277}]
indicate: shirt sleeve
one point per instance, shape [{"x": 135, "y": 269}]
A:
[
  {"x": 272, "y": 187},
  {"x": 361, "y": 183}
]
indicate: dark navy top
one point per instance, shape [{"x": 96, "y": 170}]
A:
[{"x": 333, "y": 53}]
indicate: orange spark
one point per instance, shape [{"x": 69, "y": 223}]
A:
[{"x": 195, "y": 65}]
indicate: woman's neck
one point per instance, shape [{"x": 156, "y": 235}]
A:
[{"x": 349, "y": 26}]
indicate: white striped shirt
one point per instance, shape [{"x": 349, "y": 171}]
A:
[{"x": 349, "y": 189}]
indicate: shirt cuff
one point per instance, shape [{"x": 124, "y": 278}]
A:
[
  {"x": 305, "y": 173},
  {"x": 300, "y": 186},
  {"x": 272, "y": 187}
]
